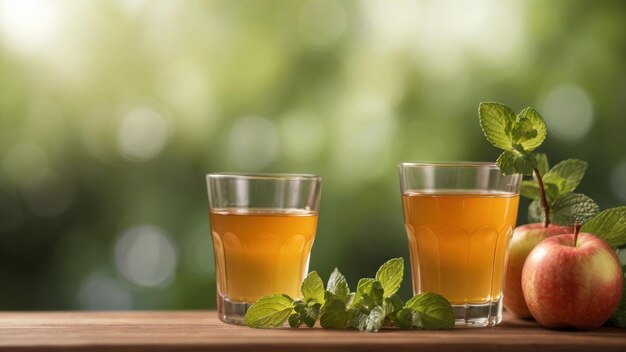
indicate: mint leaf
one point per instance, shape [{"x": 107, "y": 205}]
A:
[
  {"x": 295, "y": 321},
  {"x": 530, "y": 189},
  {"x": 529, "y": 130},
  {"x": 566, "y": 175},
  {"x": 334, "y": 315},
  {"x": 359, "y": 320},
  {"x": 372, "y": 294},
  {"x": 269, "y": 311},
  {"x": 310, "y": 314},
  {"x": 390, "y": 276},
  {"x": 338, "y": 285},
  {"x": 392, "y": 304},
  {"x": 542, "y": 163},
  {"x": 363, "y": 286},
  {"x": 573, "y": 207},
  {"x": 515, "y": 162},
  {"x": 313, "y": 288},
  {"x": 496, "y": 120},
  {"x": 307, "y": 313},
  {"x": 618, "y": 318},
  {"x": 610, "y": 225},
  {"x": 375, "y": 319},
  {"x": 431, "y": 311},
  {"x": 403, "y": 318}
]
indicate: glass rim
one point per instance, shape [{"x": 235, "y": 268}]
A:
[
  {"x": 263, "y": 176},
  {"x": 477, "y": 164}
]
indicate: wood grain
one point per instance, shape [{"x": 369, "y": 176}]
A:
[{"x": 202, "y": 331}]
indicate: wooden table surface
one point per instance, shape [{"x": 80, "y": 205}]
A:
[{"x": 202, "y": 331}]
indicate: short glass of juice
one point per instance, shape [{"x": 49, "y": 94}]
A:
[
  {"x": 459, "y": 218},
  {"x": 262, "y": 227}
]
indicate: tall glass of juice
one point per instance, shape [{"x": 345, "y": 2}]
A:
[
  {"x": 459, "y": 218},
  {"x": 263, "y": 227}
]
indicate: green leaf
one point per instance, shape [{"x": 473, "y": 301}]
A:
[
  {"x": 295, "y": 321},
  {"x": 495, "y": 120},
  {"x": 403, "y": 318},
  {"x": 371, "y": 294},
  {"x": 390, "y": 276},
  {"x": 535, "y": 212},
  {"x": 338, "y": 285},
  {"x": 269, "y": 311},
  {"x": 529, "y": 130},
  {"x": 618, "y": 318},
  {"x": 610, "y": 225},
  {"x": 375, "y": 319},
  {"x": 431, "y": 311},
  {"x": 334, "y": 315},
  {"x": 542, "y": 163},
  {"x": 514, "y": 162},
  {"x": 530, "y": 189},
  {"x": 359, "y": 320},
  {"x": 392, "y": 304},
  {"x": 307, "y": 312},
  {"x": 311, "y": 314},
  {"x": 313, "y": 287},
  {"x": 361, "y": 287},
  {"x": 573, "y": 207},
  {"x": 566, "y": 175}
]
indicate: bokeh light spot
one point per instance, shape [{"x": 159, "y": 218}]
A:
[
  {"x": 568, "y": 112},
  {"x": 29, "y": 25},
  {"x": 253, "y": 142},
  {"x": 143, "y": 134},
  {"x": 146, "y": 256}
]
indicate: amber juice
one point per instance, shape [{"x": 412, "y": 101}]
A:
[
  {"x": 261, "y": 251},
  {"x": 459, "y": 242}
]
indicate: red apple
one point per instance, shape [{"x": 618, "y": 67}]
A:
[
  {"x": 567, "y": 285},
  {"x": 524, "y": 239}
]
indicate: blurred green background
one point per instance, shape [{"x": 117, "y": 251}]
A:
[{"x": 111, "y": 113}]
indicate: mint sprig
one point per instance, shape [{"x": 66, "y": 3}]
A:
[
  {"x": 517, "y": 135},
  {"x": 551, "y": 189},
  {"x": 374, "y": 305}
]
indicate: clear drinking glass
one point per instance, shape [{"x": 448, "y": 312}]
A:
[
  {"x": 263, "y": 227},
  {"x": 459, "y": 218}
]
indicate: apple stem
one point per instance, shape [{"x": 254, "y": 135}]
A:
[
  {"x": 544, "y": 201},
  {"x": 577, "y": 226}
]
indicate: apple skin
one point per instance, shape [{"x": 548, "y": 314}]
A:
[
  {"x": 524, "y": 239},
  {"x": 572, "y": 286}
]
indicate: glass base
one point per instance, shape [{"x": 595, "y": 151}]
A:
[
  {"x": 231, "y": 312},
  {"x": 478, "y": 315}
]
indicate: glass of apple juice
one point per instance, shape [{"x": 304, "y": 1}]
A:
[
  {"x": 262, "y": 227},
  {"x": 459, "y": 218}
]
